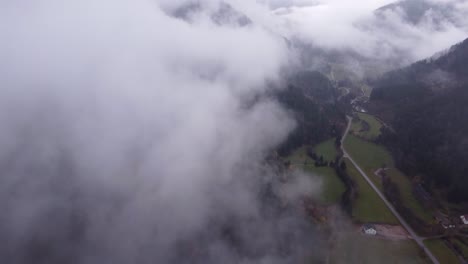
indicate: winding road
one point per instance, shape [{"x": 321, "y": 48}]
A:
[{"x": 418, "y": 239}]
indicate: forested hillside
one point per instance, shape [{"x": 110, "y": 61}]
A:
[
  {"x": 427, "y": 106},
  {"x": 319, "y": 114}
]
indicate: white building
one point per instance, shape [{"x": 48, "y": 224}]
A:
[
  {"x": 369, "y": 230},
  {"x": 464, "y": 218}
]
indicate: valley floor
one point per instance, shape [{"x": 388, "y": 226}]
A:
[{"x": 366, "y": 164}]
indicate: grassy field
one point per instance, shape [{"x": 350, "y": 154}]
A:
[
  {"x": 444, "y": 254},
  {"x": 357, "y": 248},
  {"x": 327, "y": 149},
  {"x": 462, "y": 245},
  {"x": 373, "y": 130},
  {"x": 368, "y": 207},
  {"x": 299, "y": 156},
  {"x": 405, "y": 187},
  {"x": 370, "y": 157},
  {"x": 333, "y": 187}
]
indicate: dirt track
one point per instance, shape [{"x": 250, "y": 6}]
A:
[{"x": 392, "y": 232}]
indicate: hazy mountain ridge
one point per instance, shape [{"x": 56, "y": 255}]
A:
[
  {"x": 443, "y": 71},
  {"x": 418, "y": 11},
  {"x": 221, "y": 14}
]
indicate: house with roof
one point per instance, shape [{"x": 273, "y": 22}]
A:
[
  {"x": 464, "y": 219},
  {"x": 369, "y": 229}
]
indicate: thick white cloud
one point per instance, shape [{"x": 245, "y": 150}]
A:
[
  {"x": 127, "y": 132},
  {"x": 340, "y": 24}
]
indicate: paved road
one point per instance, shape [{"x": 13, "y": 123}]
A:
[{"x": 418, "y": 239}]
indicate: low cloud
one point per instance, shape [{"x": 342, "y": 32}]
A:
[
  {"x": 337, "y": 25},
  {"x": 133, "y": 136}
]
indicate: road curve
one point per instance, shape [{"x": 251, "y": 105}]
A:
[{"x": 418, "y": 239}]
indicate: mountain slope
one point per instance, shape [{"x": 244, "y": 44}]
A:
[
  {"x": 425, "y": 78},
  {"x": 221, "y": 13},
  {"x": 313, "y": 100},
  {"x": 427, "y": 105},
  {"x": 420, "y": 11}
]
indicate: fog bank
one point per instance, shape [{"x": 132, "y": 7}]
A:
[{"x": 130, "y": 135}]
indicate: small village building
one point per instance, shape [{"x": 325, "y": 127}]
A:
[
  {"x": 464, "y": 219},
  {"x": 369, "y": 230}
]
